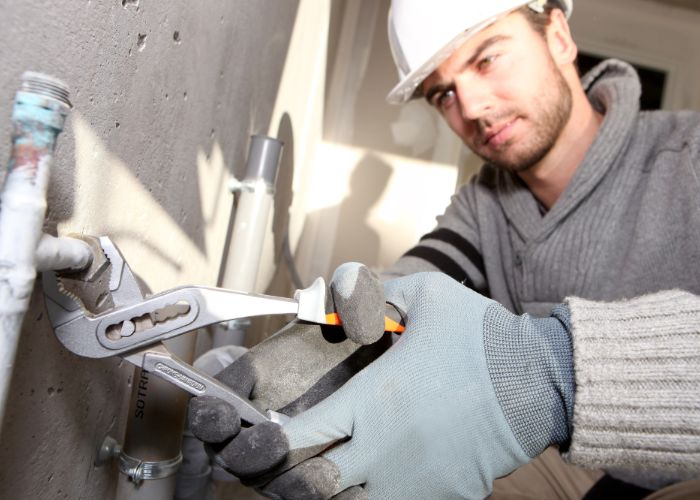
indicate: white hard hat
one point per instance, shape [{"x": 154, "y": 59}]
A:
[{"x": 423, "y": 34}]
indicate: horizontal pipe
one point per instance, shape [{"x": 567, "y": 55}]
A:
[{"x": 62, "y": 254}]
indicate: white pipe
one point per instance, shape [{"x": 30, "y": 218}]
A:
[
  {"x": 70, "y": 254},
  {"x": 40, "y": 109},
  {"x": 252, "y": 214},
  {"x": 256, "y": 198}
]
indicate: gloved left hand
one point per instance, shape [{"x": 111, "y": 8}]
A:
[
  {"x": 301, "y": 364},
  {"x": 470, "y": 393}
]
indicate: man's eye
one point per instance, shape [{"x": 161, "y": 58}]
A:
[
  {"x": 485, "y": 62},
  {"x": 444, "y": 100}
]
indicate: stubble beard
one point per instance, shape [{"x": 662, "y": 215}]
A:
[{"x": 549, "y": 117}]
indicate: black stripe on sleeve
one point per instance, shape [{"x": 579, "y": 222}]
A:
[
  {"x": 452, "y": 238},
  {"x": 442, "y": 262}
]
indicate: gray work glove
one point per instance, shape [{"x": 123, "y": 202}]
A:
[
  {"x": 301, "y": 364},
  {"x": 468, "y": 394}
]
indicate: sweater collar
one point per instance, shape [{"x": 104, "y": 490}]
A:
[{"x": 613, "y": 89}]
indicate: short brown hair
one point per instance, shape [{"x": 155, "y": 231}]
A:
[{"x": 539, "y": 20}]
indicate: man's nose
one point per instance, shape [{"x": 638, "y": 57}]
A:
[{"x": 474, "y": 97}]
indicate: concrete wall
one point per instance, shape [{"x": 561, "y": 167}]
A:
[{"x": 165, "y": 96}]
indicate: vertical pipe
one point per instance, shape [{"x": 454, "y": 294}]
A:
[
  {"x": 252, "y": 215},
  {"x": 150, "y": 455},
  {"x": 40, "y": 109}
]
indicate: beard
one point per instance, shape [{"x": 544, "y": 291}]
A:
[{"x": 550, "y": 114}]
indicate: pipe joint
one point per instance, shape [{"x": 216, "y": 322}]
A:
[
  {"x": 250, "y": 186},
  {"x": 261, "y": 167}
]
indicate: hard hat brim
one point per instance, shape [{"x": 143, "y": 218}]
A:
[{"x": 408, "y": 87}]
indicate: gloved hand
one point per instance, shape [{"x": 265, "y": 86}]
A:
[
  {"x": 302, "y": 363},
  {"x": 468, "y": 394}
]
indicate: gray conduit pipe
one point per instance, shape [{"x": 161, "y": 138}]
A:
[
  {"x": 39, "y": 112},
  {"x": 255, "y": 200}
]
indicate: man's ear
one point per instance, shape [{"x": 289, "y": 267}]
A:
[{"x": 559, "y": 40}]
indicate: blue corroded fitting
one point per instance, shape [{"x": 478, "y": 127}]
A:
[
  {"x": 42, "y": 98},
  {"x": 39, "y": 113}
]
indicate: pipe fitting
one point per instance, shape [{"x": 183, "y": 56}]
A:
[
  {"x": 263, "y": 158},
  {"x": 261, "y": 167}
]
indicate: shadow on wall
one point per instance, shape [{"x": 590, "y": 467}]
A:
[{"x": 354, "y": 239}]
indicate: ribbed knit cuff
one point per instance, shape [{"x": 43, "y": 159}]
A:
[
  {"x": 530, "y": 365},
  {"x": 637, "y": 406}
]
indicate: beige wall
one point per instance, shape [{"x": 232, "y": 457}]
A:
[{"x": 382, "y": 173}]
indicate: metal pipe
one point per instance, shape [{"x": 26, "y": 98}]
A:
[
  {"x": 150, "y": 455},
  {"x": 255, "y": 202},
  {"x": 39, "y": 112}
]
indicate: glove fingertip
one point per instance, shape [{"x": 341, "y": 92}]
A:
[
  {"x": 212, "y": 420},
  {"x": 359, "y": 298},
  {"x": 256, "y": 450},
  {"x": 240, "y": 375}
]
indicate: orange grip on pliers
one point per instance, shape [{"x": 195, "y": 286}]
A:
[{"x": 390, "y": 324}]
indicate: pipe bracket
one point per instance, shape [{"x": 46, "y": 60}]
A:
[
  {"x": 249, "y": 186},
  {"x": 141, "y": 470}
]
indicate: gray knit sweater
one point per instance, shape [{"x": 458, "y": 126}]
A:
[{"x": 627, "y": 225}]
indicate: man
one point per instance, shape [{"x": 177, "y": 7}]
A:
[{"x": 580, "y": 195}]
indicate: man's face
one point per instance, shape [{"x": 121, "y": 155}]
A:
[{"x": 503, "y": 94}]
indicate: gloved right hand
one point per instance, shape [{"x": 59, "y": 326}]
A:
[
  {"x": 301, "y": 364},
  {"x": 468, "y": 394}
]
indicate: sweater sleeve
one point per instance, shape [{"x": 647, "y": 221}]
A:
[
  {"x": 637, "y": 403},
  {"x": 453, "y": 247}
]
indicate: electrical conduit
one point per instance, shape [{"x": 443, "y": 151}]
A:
[{"x": 255, "y": 200}]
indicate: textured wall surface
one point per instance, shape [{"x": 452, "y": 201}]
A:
[{"x": 165, "y": 95}]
